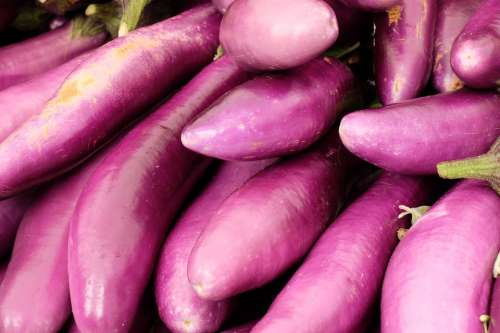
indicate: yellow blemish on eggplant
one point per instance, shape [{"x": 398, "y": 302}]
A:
[
  {"x": 140, "y": 43},
  {"x": 397, "y": 85},
  {"x": 187, "y": 323},
  {"x": 72, "y": 88},
  {"x": 394, "y": 14},
  {"x": 456, "y": 84}
]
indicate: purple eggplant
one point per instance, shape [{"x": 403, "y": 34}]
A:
[
  {"x": 474, "y": 56},
  {"x": 339, "y": 281},
  {"x": 269, "y": 35},
  {"x": 34, "y": 296},
  {"x": 270, "y": 223},
  {"x": 124, "y": 211},
  {"x": 276, "y": 114},
  {"x": 403, "y": 49},
  {"x": 11, "y": 213},
  {"x": 26, "y": 99},
  {"x": 422, "y": 291},
  {"x": 180, "y": 308},
  {"x": 452, "y": 17},
  {"x": 413, "y": 136},
  {"x": 107, "y": 91},
  {"x": 21, "y": 61}
]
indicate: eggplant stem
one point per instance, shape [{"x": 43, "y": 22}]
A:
[
  {"x": 480, "y": 167},
  {"x": 131, "y": 16},
  {"x": 402, "y": 233},
  {"x": 483, "y": 167},
  {"x": 416, "y": 213},
  {"x": 485, "y": 320}
]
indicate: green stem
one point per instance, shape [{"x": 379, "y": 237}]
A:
[
  {"x": 108, "y": 13},
  {"x": 484, "y": 167},
  {"x": 131, "y": 16},
  {"x": 219, "y": 53},
  {"x": 485, "y": 320},
  {"x": 416, "y": 213},
  {"x": 85, "y": 27},
  {"x": 481, "y": 167}
]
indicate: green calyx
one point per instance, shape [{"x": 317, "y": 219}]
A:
[
  {"x": 109, "y": 14},
  {"x": 415, "y": 213},
  {"x": 219, "y": 53},
  {"x": 484, "y": 167},
  {"x": 340, "y": 51},
  {"x": 131, "y": 16},
  {"x": 85, "y": 27}
]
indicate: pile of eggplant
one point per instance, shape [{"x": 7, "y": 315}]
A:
[{"x": 263, "y": 166}]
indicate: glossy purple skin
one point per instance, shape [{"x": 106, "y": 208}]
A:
[
  {"x": 11, "y": 213},
  {"x": 179, "y": 307},
  {"x": 273, "y": 115},
  {"x": 339, "y": 281},
  {"x": 245, "y": 328},
  {"x": 267, "y": 225},
  {"x": 474, "y": 56},
  {"x": 114, "y": 85},
  {"x": 26, "y": 99},
  {"x": 34, "y": 296},
  {"x": 423, "y": 292},
  {"x": 21, "y": 61},
  {"x": 452, "y": 17},
  {"x": 413, "y": 136},
  {"x": 222, "y": 5},
  {"x": 124, "y": 211},
  {"x": 270, "y": 35},
  {"x": 495, "y": 308},
  {"x": 371, "y": 5},
  {"x": 403, "y": 49}
]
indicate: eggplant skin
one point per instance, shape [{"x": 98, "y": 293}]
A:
[
  {"x": 265, "y": 35},
  {"x": 26, "y": 99},
  {"x": 24, "y": 60},
  {"x": 474, "y": 56},
  {"x": 268, "y": 224},
  {"x": 421, "y": 284},
  {"x": 34, "y": 296},
  {"x": 276, "y": 114},
  {"x": 145, "y": 178},
  {"x": 178, "y": 305},
  {"x": 111, "y": 88},
  {"x": 452, "y": 17},
  {"x": 404, "y": 39},
  {"x": 412, "y": 137},
  {"x": 347, "y": 264}
]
